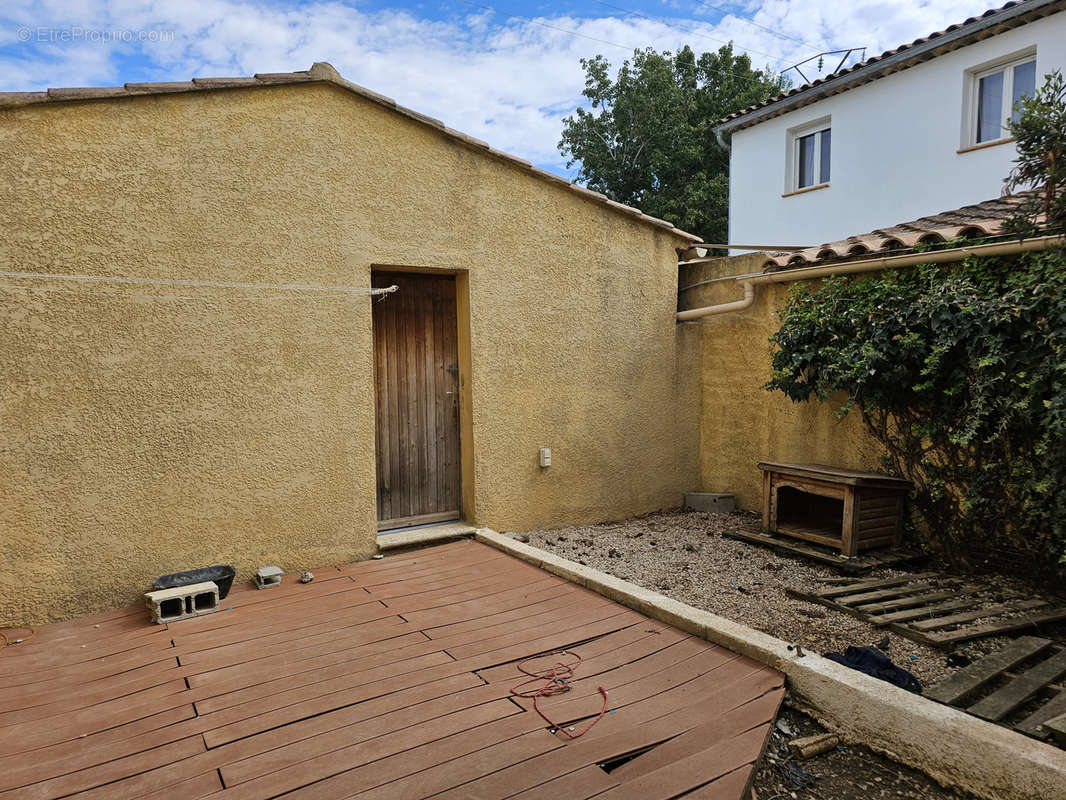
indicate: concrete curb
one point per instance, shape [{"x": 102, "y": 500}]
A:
[
  {"x": 952, "y": 747},
  {"x": 402, "y": 540}
]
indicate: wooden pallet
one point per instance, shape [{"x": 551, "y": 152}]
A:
[
  {"x": 932, "y": 609},
  {"x": 853, "y": 565},
  {"x": 1003, "y": 687}
]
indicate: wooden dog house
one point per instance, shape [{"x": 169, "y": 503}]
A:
[{"x": 841, "y": 508}]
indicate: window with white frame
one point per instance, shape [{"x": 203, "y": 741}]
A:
[
  {"x": 993, "y": 92},
  {"x": 809, "y": 155}
]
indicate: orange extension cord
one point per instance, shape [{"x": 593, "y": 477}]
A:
[
  {"x": 556, "y": 680},
  {"x": 5, "y": 640}
]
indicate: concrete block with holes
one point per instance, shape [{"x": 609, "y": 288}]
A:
[
  {"x": 265, "y": 577},
  {"x": 182, "y": 602}
]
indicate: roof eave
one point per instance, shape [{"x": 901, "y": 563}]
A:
[{"x": 876, "y": 69}]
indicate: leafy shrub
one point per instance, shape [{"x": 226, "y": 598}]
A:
[
  {"x": 1040, "y": 136},
  {"x": 960, "y": 373}
]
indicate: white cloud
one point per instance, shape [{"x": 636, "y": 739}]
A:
[{"x": 504, "y": 79}]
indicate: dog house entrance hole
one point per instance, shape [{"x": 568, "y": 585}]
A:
[{"x": 809, "y": 513}]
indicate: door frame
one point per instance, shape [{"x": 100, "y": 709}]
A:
[{"x": 467, "y": 512}]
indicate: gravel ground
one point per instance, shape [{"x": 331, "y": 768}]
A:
[{"x": 684, "y": 555}]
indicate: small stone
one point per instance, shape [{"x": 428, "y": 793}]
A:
[
  {"x": 612, "y": 553},
  {"x": 816, "y": 613},
  {"x": 378, "y": 557},
  {"x": 306, "y": 576}
]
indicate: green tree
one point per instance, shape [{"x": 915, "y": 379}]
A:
[
  {"x": 648, "y": 139},
  {"x": 1040, "y": 135}
]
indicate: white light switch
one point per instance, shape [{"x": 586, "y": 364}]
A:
[{"x": 545, "y": 456}]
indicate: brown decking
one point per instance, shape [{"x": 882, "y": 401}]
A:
[{"x": 382, "y": 679}]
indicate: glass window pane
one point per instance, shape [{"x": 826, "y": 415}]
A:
[
  {"x": 1024, "y": 84},
  {"x": 823, "y": 167},
  {"x": 990, "y": 107},
  {"x": 806, "y": 161}
]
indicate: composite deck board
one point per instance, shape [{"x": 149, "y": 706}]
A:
[
  {"x": 70, "y": 756},
  {"x": 735, "y": 784},
  {"x": 387, "y": 678},
  {"x": 647, "y": 726}
]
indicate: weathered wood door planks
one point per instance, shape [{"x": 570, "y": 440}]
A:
[{"x": 416, "y": 379}]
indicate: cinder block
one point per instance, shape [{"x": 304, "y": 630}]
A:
[
  {"x": 265, "y": 577},
  {"x": 710, "y": 501},
  {"x": 182, "y": 602}
]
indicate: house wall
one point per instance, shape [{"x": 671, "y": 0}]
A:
[
  {"x": 741, "y": 423},
  {"x": 894, "y": 150},
  {"x": 148, "y": 429}
]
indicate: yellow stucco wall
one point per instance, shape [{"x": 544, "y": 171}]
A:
[
  {"x": 148, "y": 429},
  {"x": 742, "y": 424}
]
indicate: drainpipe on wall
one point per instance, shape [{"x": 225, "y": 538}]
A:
[
  {"x": 722, "y": 308},
  {"x": 869, "y": 265}
]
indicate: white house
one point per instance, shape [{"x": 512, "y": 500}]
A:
[{"x": 909, "y": 133}]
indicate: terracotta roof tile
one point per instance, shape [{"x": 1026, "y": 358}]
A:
[
  {"x": 1022, "y": 11},
  {"x": 974, "y": 221},
  {"x": 321, "y": 72},
  {"x": 225, "y": 83},
  {"x": 158, "y": 88},
  {"x": 284, "y": 77},
  {"x": 85, "y": 93},
  {"x": 16, "y": 99}
]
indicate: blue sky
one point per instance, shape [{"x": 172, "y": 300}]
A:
[{"x": 506, "y": 71}]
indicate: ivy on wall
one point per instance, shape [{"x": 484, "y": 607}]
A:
[{"x": 960, "y": 373}]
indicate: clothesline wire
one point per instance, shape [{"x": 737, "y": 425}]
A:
[{"x": 192, "y": 283}]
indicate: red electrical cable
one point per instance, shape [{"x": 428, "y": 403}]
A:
[{"x": 556, "y": 680}]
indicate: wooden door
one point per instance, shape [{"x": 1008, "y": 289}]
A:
[{"x": 416, "y": 378}]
